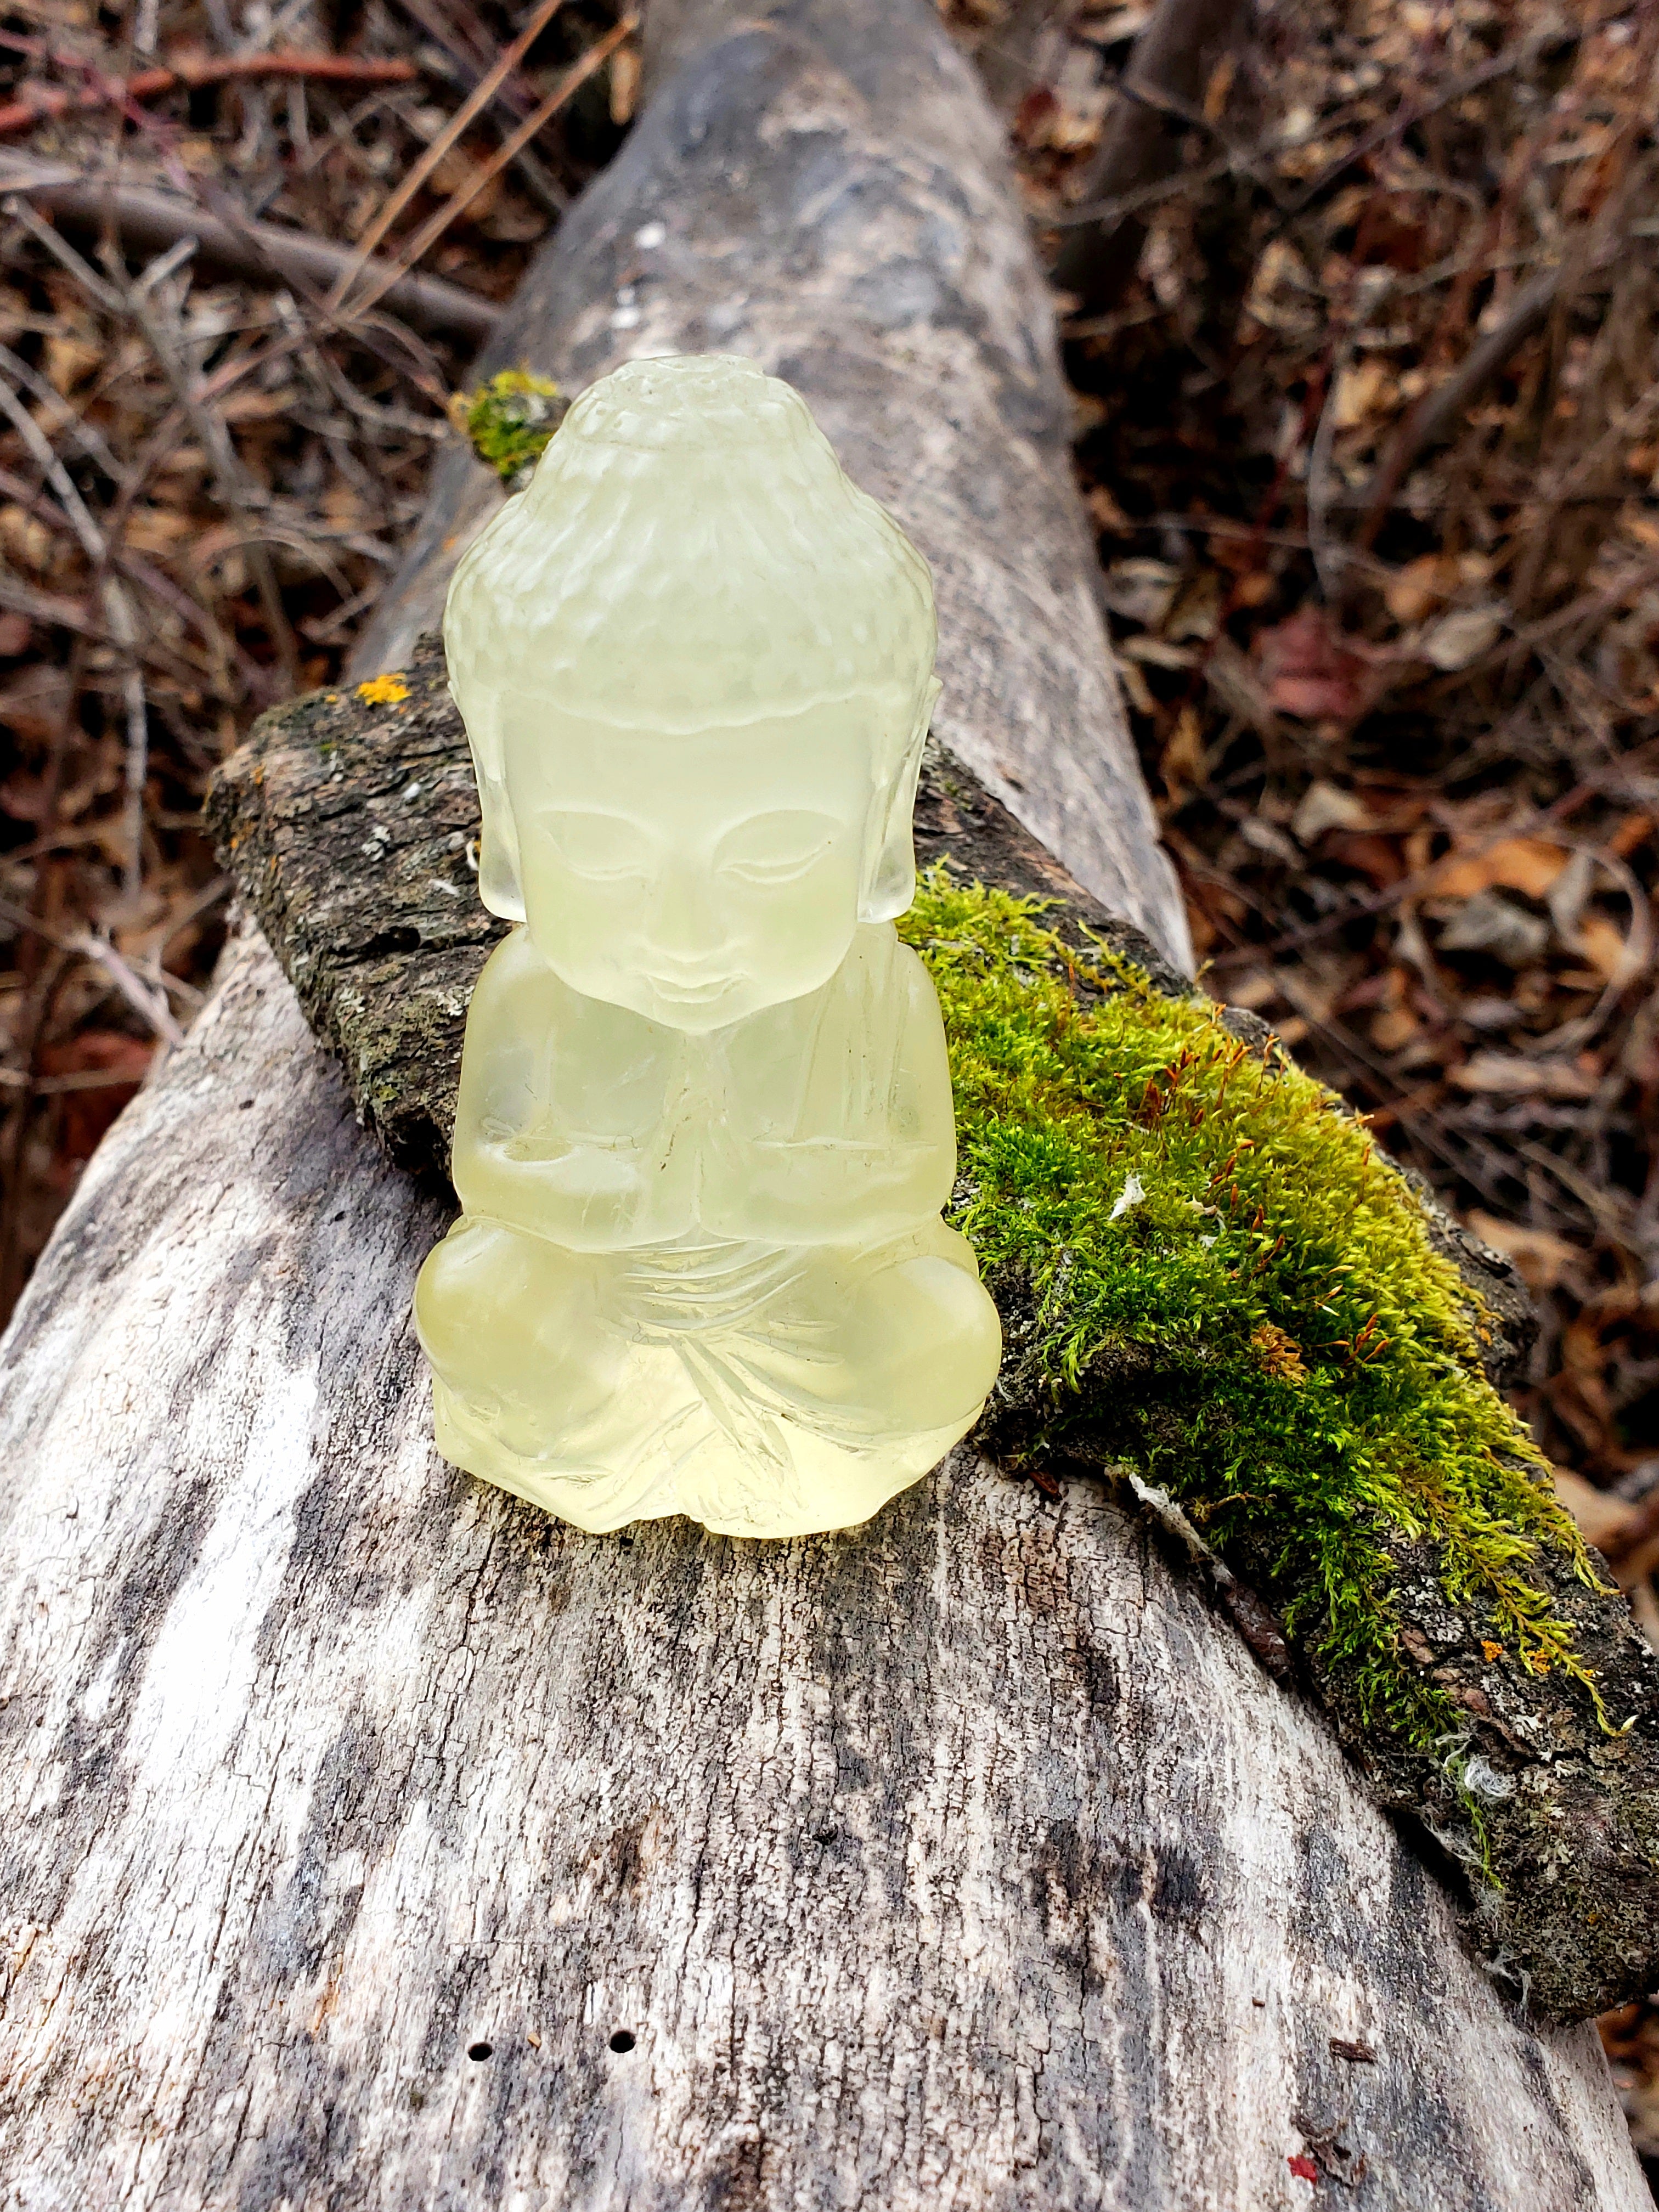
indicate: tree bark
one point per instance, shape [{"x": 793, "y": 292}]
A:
[{"x": 369, "y": 1840}]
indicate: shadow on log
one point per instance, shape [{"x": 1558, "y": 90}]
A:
[{"x": 367, "y": 1839}]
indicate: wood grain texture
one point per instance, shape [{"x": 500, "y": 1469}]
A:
[
  {"x": 963, "y": 1862},
  {"x": 967, "y": 1861},
  {"x": 833, "y": 198}
]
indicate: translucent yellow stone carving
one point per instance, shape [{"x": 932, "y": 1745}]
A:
[{"x": 705, "y": 1129}]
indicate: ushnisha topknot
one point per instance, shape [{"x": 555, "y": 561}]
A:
[{"x": 690, "y": 554}]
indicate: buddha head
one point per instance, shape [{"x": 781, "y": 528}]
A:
[{"x": 695, "y": 667}]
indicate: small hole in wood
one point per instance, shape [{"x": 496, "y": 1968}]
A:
[
  {"x": 622, "y": 2040},
  {"x": 479, "y": 2049},
  {"x": 400, "y": 939}
]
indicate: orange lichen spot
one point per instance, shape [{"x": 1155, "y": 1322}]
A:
[
  {"x": 1491, "y": 1650},
  {"x": 383, "y": 691}
]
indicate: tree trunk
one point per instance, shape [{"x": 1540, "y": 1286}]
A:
[{"x": 370, "y": 1840}]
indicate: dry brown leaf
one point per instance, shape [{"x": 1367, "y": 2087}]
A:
[
  {"x": 33, "y": 700},
  {"x": 1494, "y": 925},
  {"x": 1419, "y": 587},
  {"x": 159, "y": 529},
  {"x": 1506, "y": 1075},
  {"x": 1141, "y": 591},
  {"x": 1326, "y": 806},
  {"x": 69, "y": 359},
  {"x": 1530, "y": 864},
  {"x": 624, "y": 83},
  {"x": 1362, "y": 392},
  {"x": 1463, "y": 636},
  {"x": 1606, "y": 947},
  {"x": 1105, "y": 510},
  {"x": 1311, "y": 671},
  {"x": 85, "y": 1115},
  {"x": 1393, "y": 1027},
  {"x": 1602, "y": 1518},
  {"x": 27, "y": 539},
  {"x": 1181, "y": 761}
]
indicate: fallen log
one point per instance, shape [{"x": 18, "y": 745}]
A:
[
  {"x": 371, "y": 1840},
  {"x": 350, "y": 820}
]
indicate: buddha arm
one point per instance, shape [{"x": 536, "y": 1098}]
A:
[
  {"x": 847, "y": 1131},
  {"x": 561, "y": 1104}
]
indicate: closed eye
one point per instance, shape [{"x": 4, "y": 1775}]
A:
[
  {"x": 776, "y": 872},
  {"x": 602, "y": 848},
  {"x": 777, "y": 849}
]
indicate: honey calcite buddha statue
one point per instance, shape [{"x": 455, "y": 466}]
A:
[{"x": 705, "y": 1129}]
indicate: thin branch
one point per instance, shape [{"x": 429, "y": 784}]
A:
[
  {"x": 1174, "y": 62},
  {"x": 509, "y": 105},
  {"x": 149, "y": 220},
  {"x": 426, "y": 237},
  {"x": 236, "y": 489},
  {"x": 119, "y": 611},
  {"x": 37, "y": 103},
  {"x": 397, "y": 201},
  {"x": 1418, "y": 111},
  {"x": 1439, "y": 414}
]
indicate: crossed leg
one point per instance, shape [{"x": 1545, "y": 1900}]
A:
[{"x": 764, "y": 1393}]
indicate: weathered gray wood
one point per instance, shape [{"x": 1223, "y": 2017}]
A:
[
  {"x": 967, "y": 1861},
  {"x": 832, "y": 192}
]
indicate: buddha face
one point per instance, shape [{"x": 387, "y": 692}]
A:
[{"x": 694, "y": 879}]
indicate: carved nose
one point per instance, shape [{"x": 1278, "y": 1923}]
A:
[{"x": 686, "y": 930}]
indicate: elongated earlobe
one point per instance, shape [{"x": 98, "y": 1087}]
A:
[
  {"x": 891, "y": 858},
  {"x": 499, "y": 885}
]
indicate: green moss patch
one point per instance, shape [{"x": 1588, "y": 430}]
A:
[
  {"x": 1231, "y": 1292},
  {"x": 509, "y": 420}
]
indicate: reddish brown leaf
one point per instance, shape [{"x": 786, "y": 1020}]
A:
[{"x": 1310, "y": 671}]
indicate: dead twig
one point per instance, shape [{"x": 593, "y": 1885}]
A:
[
  {"x": 1439, "y": 414},
  {"x": 149, "y": 220},
  {"x": 397, "y": 200},
  {"x": 509, "y": 104},
  {"x": 1172, "y": 65},
  {"x": 146, "y": 1001},
  {"x": 38, "y": 103},
  {"x": 118, "y": 613},
  {"x": 427, "y": 236},
  {"x": 143, "y": 304}
]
